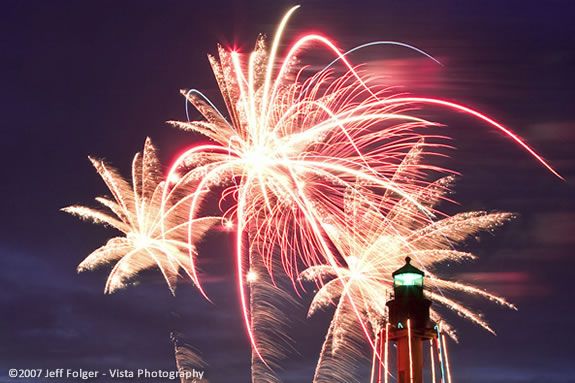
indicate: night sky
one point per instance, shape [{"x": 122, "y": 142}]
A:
[{"x": 97, "y": 77}]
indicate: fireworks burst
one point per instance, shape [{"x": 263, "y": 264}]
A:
[
  {"x": 295, "y": 142},
  {"x": 135, "y": 210},
  {"x": 316, "y": 168},
  {"x": 375, "y": 243},
  {"x": 288, "y": 153}
]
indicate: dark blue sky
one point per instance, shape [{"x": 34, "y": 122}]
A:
[{"x": 89, "y": 77}]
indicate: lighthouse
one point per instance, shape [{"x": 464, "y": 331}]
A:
[{"x": 409, "y": 322}]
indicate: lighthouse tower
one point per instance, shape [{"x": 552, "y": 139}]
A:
[{"x": 409, "y": 323}]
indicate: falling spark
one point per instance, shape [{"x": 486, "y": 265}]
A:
[
  {"x": 373, "y": 361},
  {"x": 187, "y": 359},
  {"x": 410, "y": 351},
  {"x": 440, "y": 352},
  {"x": 386, "y": 353},
  {"x": 432, "y": 359},
  {"x": 446, "y": 358}
]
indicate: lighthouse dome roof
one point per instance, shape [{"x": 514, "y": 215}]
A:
[{"x": 408, "y": 268}]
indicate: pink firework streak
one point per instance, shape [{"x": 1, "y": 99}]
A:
[{"x": 294, "y": 142}]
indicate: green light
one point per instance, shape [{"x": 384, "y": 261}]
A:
[{"x": 408, "y": 279}]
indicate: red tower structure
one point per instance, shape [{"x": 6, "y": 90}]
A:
[{"x": 409, "y": 323}]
